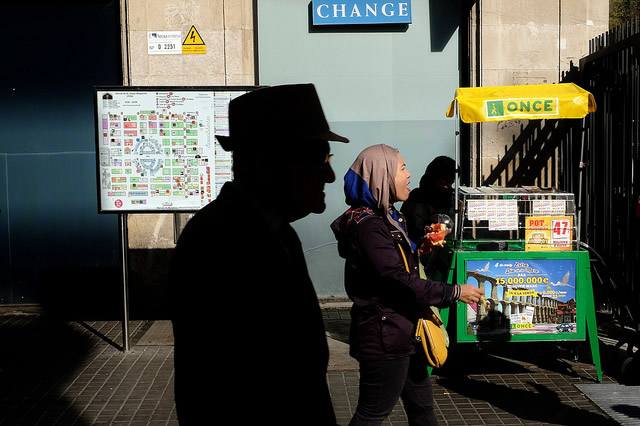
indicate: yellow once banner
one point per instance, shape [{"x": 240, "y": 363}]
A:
[{"x": 533, "y": 102}]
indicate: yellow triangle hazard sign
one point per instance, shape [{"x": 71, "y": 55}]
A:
[{"x": 193, "y": 43}]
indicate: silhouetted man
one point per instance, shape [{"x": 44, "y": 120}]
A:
[{"x": 250, "y": 343}]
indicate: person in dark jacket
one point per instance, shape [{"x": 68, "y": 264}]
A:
[
  {"x": 431, "y": 202},
  {"x": 249, "y": 336},
  {"x": 382, "y": 280},
  {"x": 432, "y": 197}
]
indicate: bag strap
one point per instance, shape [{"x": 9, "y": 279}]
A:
[
  {"x": 431, "y": 315},
  {"x": 406, "y": 265}
]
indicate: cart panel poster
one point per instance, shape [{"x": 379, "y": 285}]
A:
[
  {"x": 528, "y": 296},
  {"x": 156, "y": 149}
]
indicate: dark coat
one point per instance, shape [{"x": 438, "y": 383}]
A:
[
  {"x": 249, "y": 334},
  {"x": 387, "y": 299},
  {"x": 422, "y": 209}
]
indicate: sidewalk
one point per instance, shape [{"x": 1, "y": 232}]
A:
[{"x": 55, "y": 372}]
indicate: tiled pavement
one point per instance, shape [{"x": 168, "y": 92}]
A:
[
  {"x": 511, "y": 384},
  {"x": 55, "y": 372},
  {"x": 73, "y": 373}
]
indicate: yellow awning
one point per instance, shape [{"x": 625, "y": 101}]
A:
[{"x": 532, "y": 102}]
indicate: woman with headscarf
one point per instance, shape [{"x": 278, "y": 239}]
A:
[{"x": 382, "y": 280}]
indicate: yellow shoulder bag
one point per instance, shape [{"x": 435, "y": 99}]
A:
[{"x": 430, "y": 333}]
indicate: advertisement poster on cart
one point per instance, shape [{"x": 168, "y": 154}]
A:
[{"x": 531, "y": 296}]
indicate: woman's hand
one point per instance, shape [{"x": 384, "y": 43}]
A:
[
  {"x": 470, "y": 293},
  {"x": 427, "y": 246}
]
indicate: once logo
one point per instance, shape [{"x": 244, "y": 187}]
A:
[{"x": 525, "y": 107}]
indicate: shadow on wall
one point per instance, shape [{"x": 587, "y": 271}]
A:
[
  {"x": 81, "y": 293},
  {"x": 444, "y": 20},
  {"x": 526, "y": 160},
  {"x": 97, "y": 293},
  {"x": 149, "y": 283}
]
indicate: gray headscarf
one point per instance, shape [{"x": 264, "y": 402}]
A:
[{"x": 371, "y": 182}]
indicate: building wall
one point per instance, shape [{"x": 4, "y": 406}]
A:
[
  {"x": 226, "y": 27},
  {"x": 389, "y": 85},
  {"x": 377, "y": 85},
  {"x": 382, "y": 85},
  {"x": 54, "y": 246},
  {"x": 523, "y": 42}
]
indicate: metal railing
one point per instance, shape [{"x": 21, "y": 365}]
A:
[
  {"x": 610, "y": 161},
  {"x": 598, "y": 159}
]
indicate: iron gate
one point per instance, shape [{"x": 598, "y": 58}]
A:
[{"x": 609, "y": 161}]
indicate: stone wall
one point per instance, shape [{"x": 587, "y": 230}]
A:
[
  {"x": 226, "y": 27},
  {"x": 522, "y": 42}
]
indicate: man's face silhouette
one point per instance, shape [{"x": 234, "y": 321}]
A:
[{"x": 310, "y": 170}]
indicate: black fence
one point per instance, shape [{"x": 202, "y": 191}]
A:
[
  {"x": 598, "y": 159},
  {"x": 605, "y": 168}
]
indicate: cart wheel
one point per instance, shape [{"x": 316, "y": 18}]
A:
[{"x": 629, "y": 371}]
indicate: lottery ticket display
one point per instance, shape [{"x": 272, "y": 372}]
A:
[{"x": 521, "y": 218}]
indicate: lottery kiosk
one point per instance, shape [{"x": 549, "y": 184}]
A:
[{"x": 521, "y": 245}]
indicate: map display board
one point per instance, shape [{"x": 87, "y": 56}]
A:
[{"x": 156, "y": 149}]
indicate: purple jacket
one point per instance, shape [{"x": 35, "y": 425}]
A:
[{"x": 387, "y": 300}]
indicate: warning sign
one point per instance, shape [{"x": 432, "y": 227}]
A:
[{"x": 193, "y": 43}]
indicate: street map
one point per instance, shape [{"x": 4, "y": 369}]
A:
[{"x": 157, "y": 151}]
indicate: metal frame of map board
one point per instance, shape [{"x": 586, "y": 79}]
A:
[{"x": 153, "y": 156}]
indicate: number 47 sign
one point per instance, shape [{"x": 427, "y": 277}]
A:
[
  {"x": 549, "y": 233},
  {"x": 561, "y": 232}
]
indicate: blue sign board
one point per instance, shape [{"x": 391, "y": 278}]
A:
[{"x": 341, "y": 12}]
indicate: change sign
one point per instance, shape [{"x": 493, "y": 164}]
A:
[{"x": 355, "y": 12}]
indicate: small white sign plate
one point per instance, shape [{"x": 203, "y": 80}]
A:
[{"x": 164, "y": 42}]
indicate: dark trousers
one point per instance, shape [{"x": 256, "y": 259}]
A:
[{"x": 382, "y": 383}]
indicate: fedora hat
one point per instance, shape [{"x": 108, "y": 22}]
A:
[{"x": 290, "y": 112}]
